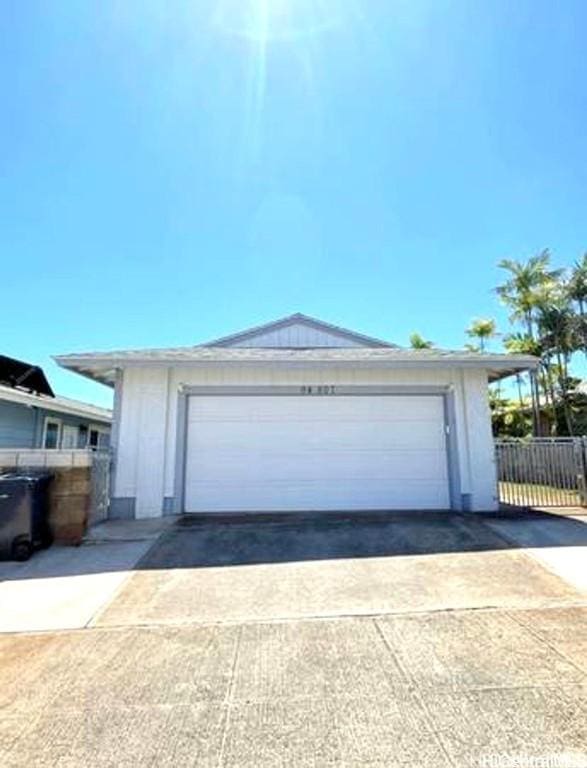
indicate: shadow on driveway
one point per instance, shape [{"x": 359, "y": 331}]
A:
[
  {"x": 208, "y": 541},
  {"x": 201, "y": 541}
]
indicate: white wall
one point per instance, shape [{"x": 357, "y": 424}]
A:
[
  {"x": 297, "y": 335},
  {"x": 479, "y": 445},
  {"x": 140, "y": 450},
  {"x": 148, "y": 412}
]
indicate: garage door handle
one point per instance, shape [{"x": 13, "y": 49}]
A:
[{"x": 4, "y": 496}]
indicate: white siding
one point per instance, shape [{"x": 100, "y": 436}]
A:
[
  {"x": 297, "y": 335},
  {"x": 483, "y": 477},
  {"x": 146, "y": 460},
  {"x": 127, "y": 432},
  {"x": 141, "y": 451}
]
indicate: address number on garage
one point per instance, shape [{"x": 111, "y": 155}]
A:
[{"x": 318, "y": 389}]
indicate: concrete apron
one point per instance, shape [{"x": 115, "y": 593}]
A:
[
  {"x": 262, "y": 570},
  {"x": 436, "y": 689},
  {"x": 558, "y": 543},
  {"x": 259, "y": 570}
]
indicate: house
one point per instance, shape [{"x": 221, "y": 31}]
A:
[
  {"x": 299, "y": 414},
  {"x": 32, "y": 416}
]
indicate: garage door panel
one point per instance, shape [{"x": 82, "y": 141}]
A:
[
  {"x": 274, "y": 453},
  {"x": 280, "y": 409},
  {"x": 307, "y": 496},
  {"x": 318, "y": 436},
  {"x": 370, "y": 465}
]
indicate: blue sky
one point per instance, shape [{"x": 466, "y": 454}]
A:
[{"x": 175, "y": 171}]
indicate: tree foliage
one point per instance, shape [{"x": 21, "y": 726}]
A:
[
  {"x": 547, "y": 312},
  {"x": 419, "y": 342},
  {"x": 548, "y": 320},
  {"x": 483, "y": 330}
]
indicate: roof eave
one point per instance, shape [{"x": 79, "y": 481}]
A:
[
  {"x": 104, "y": 370},
  {"x": 103, "y": 374},
  {"x": 503, "y": 373},
  {"x": 53, "y": 405}
]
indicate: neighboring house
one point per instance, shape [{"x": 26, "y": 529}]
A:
[
  {"x": 32, "y": 416},
  {"x": 299, "y": 415}
]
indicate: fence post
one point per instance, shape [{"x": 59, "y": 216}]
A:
[
  {"x": 100, "y": 482},
  {"x": 580, "y": 446},
  {"x": 582, "y": 469}
]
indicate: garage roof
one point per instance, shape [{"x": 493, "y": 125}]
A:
[
  {"x": 364, "y": 351},
  {"x": 333, "y": 335},
  {"x": 101, "y": 366}
]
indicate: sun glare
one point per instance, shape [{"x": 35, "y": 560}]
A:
[
  {"x": 293, "y": 25},
  {"x": 271, "y": 20}
]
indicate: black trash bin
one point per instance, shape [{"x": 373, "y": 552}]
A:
[{"x": 24, "y": 508}]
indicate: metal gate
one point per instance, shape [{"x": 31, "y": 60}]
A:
[
  {"x": 100, "y": 479},
  {"x": 542, "y": 471}
]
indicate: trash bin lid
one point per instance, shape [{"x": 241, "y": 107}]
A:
[{"x": 26, "y": 476}]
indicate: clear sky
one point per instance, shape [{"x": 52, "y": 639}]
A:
[{"x": 174, "y": 171}]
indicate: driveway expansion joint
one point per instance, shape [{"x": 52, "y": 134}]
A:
[
  {"x": 229, "y": 698},
  {"x": 417, "y": 693}
]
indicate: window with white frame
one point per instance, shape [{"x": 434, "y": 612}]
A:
[
  {"x": 69, "y": 436},
  {"x": 82, "y": 441},
  {"x": 52, "y": 433},
  {"x": 98, "y": 437}
]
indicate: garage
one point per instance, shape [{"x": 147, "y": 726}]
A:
[
  {"x": 299, "y": 415},
  {"x": 325, "y": 452}
]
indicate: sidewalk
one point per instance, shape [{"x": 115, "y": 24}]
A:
[
  {"x": 556, "y": 541},
  {"x": 64, "y": 587}
]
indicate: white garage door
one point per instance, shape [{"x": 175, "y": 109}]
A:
[{"x": 287, "y": 453}]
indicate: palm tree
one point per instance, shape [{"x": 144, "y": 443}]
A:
[
  {"x": 482, "y": 329},
  {"x": 419, "y": 342},
  {"x": 577, "y": 292},
  {"x": 558, "y": 333},
  {"x": 521, "y": 344},
  {"x": 577, "y": 284},
  {"x": 524, "y": 292},
  {"x": 526, "y": 285}
]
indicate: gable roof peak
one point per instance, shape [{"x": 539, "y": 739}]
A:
[{"x": 297, "y": 318}]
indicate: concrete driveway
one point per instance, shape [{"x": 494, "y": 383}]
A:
[
  {"x": 227, "y": 570},
  {"x": 419, "y": 640}
]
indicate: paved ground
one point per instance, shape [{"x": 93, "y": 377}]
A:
[
  {"x": 266, "y": 570},
  {"x": 64, "y": 587},
  {"x": 560, "y": 547},
  {"x": 352, "y": 655}
]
